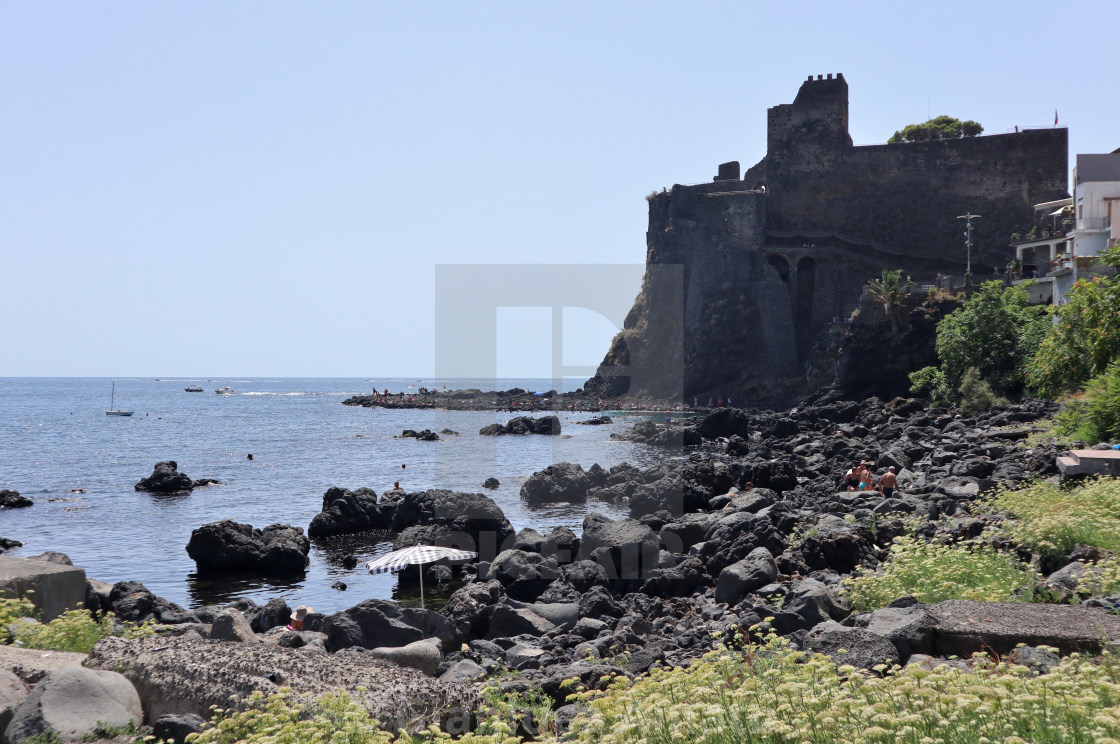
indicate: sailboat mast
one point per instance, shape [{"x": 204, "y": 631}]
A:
[{"x": 113, "y": 396}]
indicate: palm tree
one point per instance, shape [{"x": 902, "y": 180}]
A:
[{"x": 890, "y": 290}]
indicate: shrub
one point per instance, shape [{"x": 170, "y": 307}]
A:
[
  {"x": 1095, "y": 415},
  {"x": 258, "y": 719},
  {"x": 932, "y": 572},
  {"x": 76, "y": 630},
  {"x": 1086, "y": 337},
  {"x": 976, "y": 394},
  {"x": 1101, "y": 579},
  {"x": 771, "y": 694},
  {"x": 930, "y": 381},
  {"x": 10, "y": 611},
  {"x": 1051, "y": 521}
]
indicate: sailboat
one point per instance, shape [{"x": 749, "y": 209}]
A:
[{"x": 110, "y": 411}]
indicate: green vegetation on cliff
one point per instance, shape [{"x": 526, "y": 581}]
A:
[
  {"x": 940, "y": 127},
  {"x": 995, "y": 332}
]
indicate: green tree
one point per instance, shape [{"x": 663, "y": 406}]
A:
[
  {"x": 890, "y": 291},
  {"x": 940, "y": 127},
  {"x": 976, "y": 394},
  {"x": 996, "y": 332},
  {"x": 1086, "y": 337}
]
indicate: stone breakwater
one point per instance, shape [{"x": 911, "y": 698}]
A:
[
  {"x": 753, "y": 528},
  {"x": 515, "y": 400}
]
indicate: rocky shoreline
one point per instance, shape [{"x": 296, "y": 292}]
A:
[{"x": 750, "y": 532}]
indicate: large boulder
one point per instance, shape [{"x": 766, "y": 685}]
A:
[
  {"x": 909, "y": 628},
  {"x": 12, "y": 692},
  {"x": 72, "y": 703},
  {"x": 451, "y": 519},
  {"x": 165, "y": 478},
  {"x": 563, "y": 481},
  {"x": 231, "y": 625},
  {"x": 524, "y": 575},
  {"x": 225, "y": 546},
  {"x": 346, "y": 511},
  {"x": 52, "y": 587},
  {"x": 423, "y": 656},
  {"x": 743, "y": 577},
  {"x": 725, "y": 422},
  {"x": 856, "y": 646},
  {"x": 12, "y": 500},
  {"x": 131, "y": 601},
  {"x": 378, "y": 623},
  {"x": 626, "y": 549},
  {"x": 188, "y": 675}
]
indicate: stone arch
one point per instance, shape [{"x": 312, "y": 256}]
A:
[
  {"x": 780, "y": 264},
  {"x": 804, "y": 295}
]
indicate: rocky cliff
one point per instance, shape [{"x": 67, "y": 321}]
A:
[{"x": 750, "y": 279}]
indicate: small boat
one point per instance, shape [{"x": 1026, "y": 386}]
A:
[
  {"x": 193, "y": 389},
  {"x": 110, "y": 411},
  {"x": 225, "y": 391}
]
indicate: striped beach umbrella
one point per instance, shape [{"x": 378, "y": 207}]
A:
[{"x": 419, "y": 554}]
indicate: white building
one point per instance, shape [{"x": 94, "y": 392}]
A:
[
  {"x": 1096, "y": 197},
  {"x": 1069, "y": 234}
]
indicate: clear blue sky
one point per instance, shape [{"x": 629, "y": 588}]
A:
[{"x": 261, "y": 188}]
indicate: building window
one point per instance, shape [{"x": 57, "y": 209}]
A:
[{"x": 1080, "y": 211}]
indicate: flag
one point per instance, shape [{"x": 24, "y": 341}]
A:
[{"x": 1055, "y": 117}]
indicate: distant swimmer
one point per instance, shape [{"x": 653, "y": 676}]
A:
[{"x": 249, "y": 456}]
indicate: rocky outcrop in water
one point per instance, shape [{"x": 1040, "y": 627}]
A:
[
  {"x": 12, "y": 500},
  {"x": 470, "y": 521},
  {"x": 166, "y": 478},
  {"x": 424, "y": 436},
  {"x": 220, "y": 547},
  {"x": 524, "y": 425}
]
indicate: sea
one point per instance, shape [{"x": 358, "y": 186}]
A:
[{"x": 80, "y": 466}]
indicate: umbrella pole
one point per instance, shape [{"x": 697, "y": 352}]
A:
[{"x": 421, "y": 586}]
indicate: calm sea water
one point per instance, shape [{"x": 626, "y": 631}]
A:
[{"x": 55, "y": 437}]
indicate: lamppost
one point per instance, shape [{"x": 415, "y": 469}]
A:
[{"x": 968, "y": 217}]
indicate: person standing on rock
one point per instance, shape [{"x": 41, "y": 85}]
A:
[{"x": 889, "y": 482}]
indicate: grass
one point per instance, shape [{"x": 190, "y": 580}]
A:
[
  {"x": 932, "y": 572},
  {"x": 1051, "y": 521}
]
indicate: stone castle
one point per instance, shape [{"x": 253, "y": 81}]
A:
[{"x": 764, "y": 264}]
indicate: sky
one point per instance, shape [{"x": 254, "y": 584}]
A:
[{"x": 251, "y": 188}]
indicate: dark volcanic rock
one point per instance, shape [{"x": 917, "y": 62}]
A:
[
  {"x": 346, "y": 511},
  {"x": 8, "y": 544},
  {"x": 563, "y": 481},
  {"x": 856, "y": 646},
  {"x": 12, "y": 500},
  {"x": 228, "y": 546},
  {"x": 131, "y": 601},
  {"x": 425, "y": 436},
  {"x": 470, "y": 521},
  {"x": 375, "y": 623},
  {"x": 451, "y": 519},
  {"x": 491, "y": 483},
  {"x": 626, "y": 549},
  {"x": 524, "y": 425},
  {"x": 165, "y": 478},
  {"x": 725, "y": 422},
  {"x": 597, "y": 421}
]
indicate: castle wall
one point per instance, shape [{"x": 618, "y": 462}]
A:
[
  {"x": 770, "y": 262},
  {"x": 905, "y": 197}
]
